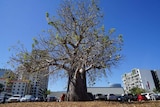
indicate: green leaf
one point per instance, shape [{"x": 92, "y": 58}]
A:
[
  {"x": 25, "y": 56},
  {"x": 47, "y": 14},
  {"x": 112, "y": 30},
  {"x": 51, "y": 23},
  {"x": 35, "y": 41},
  {"x": 120, "y": 37},
  {"x": 33, "y": 45},
  {"x": 103, "y": 29}
]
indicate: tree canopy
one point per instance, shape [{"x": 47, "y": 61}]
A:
[{"x": 77, "y": 44}]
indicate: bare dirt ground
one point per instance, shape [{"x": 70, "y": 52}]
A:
[{"x": 83, "y": 104}]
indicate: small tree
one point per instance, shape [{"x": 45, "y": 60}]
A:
[
  {"x": 45, "y": 93},
  {"x": 77, "y": 44},
  {"x": 1, "y": 87},
  {"x": 156, "y": 90},
  {"x": 137, "y": 90}
]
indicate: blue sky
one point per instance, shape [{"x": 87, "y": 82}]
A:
[{"x": 137, "y": 20}]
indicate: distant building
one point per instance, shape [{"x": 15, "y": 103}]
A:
[
  {"x": 57, "y": 94},
  {"x": 116, "y": 89},
  {"x": 3, "y": 82},
  {"x": 38, "y": 81},
  {"x": 115, "y": 85},
  {"x": 3, "y": 71},
  {"x": 34, "y": 83},
  {"x": 7, "y": 84},
  {"x": 106, "y": 90},
  {"x": 156, "y": 78},
  {"x": 96, "y": 90},
  {"x": 145, "y": 79},
  {"x": 15, "y": 86},
  {"x": 7, "y": 80},
  {"x": 20, "y": 87}
]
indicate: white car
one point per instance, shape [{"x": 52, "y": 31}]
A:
[
  {"x": 15, "y": 98},
  {"x": 100, "y": 97},
  {"x": 112, "y": 97},
  {"x": 4, "y": 96},
  {"x": 27, "y": 98}
]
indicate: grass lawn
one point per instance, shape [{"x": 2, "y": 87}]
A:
[{"x": 83, "y": 104}]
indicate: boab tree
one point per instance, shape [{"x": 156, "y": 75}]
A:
[{"x": 78, "y": 45}]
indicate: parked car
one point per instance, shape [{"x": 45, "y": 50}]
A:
[
  {"x": 4, "y": 96},
  {"x": 141, "y": 97},
  {"x": 27, "y": 98},
  {"x": 157, "y": 96},
  {"x": 151, "y": 96},
  {"x": 147, "y": 95},
  {"x": 51, "y": 98},
  {"x": 112, "y": 97},
  {"x": 100, "y": 97},
  {"x": 15, "y": 98},
  {"x": 39, "y": 99},
  {"x": 127, "y": 98},
  {"x": 90, "y": 95}
]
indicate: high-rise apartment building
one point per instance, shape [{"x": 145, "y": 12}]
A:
[
  {"x": 7, "y": 80},
  {"x": 23, "y": 82},
  {"x": 20, "y": 87},
  {"x": 145, "y": 79},
  {"x": 38, "y": 81},
  {"x": 15, "y": 86}
]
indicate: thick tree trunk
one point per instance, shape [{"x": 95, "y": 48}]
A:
[{"x": 77, "y": 88}]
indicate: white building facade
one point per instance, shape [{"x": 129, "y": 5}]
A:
[
  {"x": 144, "y": 79},
  {"x": 39, "y": 83},
  {"x": 20, "y": 87},
  {"x": 34, "y": 83},
  {"x": 15, "y": 86}
]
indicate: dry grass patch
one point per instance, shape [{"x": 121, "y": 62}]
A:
[{"x": 83, "y": 104}]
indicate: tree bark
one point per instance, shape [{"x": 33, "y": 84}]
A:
[{"x": 77, "y": 90}]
